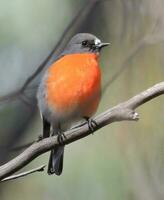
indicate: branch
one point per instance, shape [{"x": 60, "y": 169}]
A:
[
  {"x": 121, "y": 112},
  {"x": 38, "y": 169}
]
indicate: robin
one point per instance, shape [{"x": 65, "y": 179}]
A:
[{"x": 69, "y": 91}]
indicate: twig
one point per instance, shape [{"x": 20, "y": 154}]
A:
[
  {"x": 121, "y": 112},
  {"x": 38, "y": 169}
]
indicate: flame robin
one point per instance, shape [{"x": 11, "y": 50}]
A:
[{"x": 70, "y": 91}]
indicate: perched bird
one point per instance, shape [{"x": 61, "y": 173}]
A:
[{"x": 70, "y": 90}]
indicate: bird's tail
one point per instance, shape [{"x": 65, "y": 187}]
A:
[{"x": 55, "y": 164}]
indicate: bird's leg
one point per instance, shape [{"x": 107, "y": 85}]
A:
[
  {"x": 61, "y": 135},
  {"x": 91, "y": 123}
]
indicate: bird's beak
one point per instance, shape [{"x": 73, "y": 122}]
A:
[{"x": 101, "y": 45}]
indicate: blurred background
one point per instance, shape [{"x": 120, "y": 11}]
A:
[{"x": 123, "y": 161}]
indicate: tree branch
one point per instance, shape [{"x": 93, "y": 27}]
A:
[
  {"x": 121, "y": 112},
  {"x": 38, "y": 169}
]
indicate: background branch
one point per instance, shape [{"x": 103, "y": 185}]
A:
[
  {"x": 148, "y": 39},
  {"x": 38, "y": 169},
  {"x": 77, "y": 20},
  {"x": 121, "y": 112}
]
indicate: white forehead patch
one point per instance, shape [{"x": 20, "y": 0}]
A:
[{"x": 97, "y": 41}]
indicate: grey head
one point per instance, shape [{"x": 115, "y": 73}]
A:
[{"x": 84, "y": 43}]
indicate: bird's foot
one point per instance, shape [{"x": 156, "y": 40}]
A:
[
  {"x": 61, "y": 137},
  {"x": 92, "y": 124}
]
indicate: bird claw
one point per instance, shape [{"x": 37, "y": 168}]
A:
[
  {"x": 61, "y": 137},
  {"x": 92, "y": 124}
]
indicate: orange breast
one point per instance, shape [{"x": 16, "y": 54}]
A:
[{"x": 73, "y": 85}]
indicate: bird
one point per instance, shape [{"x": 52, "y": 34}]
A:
[{"x": 70, "y": 91}]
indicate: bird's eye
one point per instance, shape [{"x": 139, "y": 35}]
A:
[{"x": 85, "y": 42}]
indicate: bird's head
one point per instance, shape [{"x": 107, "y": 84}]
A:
[{"x": 84, "y": 43}]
